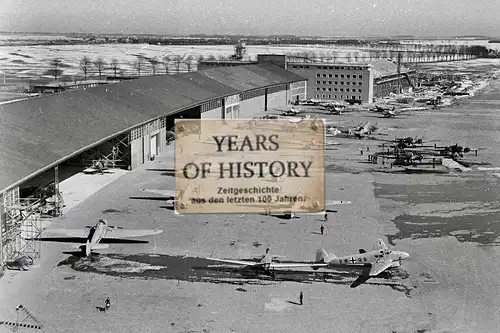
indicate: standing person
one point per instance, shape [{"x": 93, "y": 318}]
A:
[
  {"x": 301, "y": 298},
  {"x": 107, "y": 304},
  {"x": 322, "y": 228},
  {"x": 326, "y": 216}
]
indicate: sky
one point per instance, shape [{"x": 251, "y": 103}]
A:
[{"x": 419, "y": 18}]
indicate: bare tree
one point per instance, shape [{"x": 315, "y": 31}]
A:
[
  {"x": 154, "y": 63},
  {"x": 138, "y": 65},
  {"x": 177, "y": 62},
  {"x": 55, "y": 68},
  {"x": 166, "y": 62},
  {"x": 335, "y": 56},
  {"x": 189, "y": 61},
  {"x": 85, "y": 64},
  {"x": 99, "y": 64},
  {"x": 211, "y": 57},
  {"x": 114, "y": 65},
  {"x": 356, "y": 56}
]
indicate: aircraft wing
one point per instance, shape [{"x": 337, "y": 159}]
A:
[
  {"x": 337, "y": 202},
  {"x": 167, "y": 193},
  {"x": 78, "y": 233},
  {"x": 378, "y": 268},
  {"x": 286, "y": 265},
  {"x": 125, "y": 233},
  {"x": 237, "y": 262}
]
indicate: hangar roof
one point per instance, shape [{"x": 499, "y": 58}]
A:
[
  {"x": 39, "y": 133},
  {"x": 383, "y": 67}
]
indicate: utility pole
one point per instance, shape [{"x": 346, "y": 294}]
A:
[{"x": 400, "y": 56}]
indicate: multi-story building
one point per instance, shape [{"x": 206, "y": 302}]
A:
[
  {"x": 337, "y": 81},
  {"x": 333, "y": 81}
]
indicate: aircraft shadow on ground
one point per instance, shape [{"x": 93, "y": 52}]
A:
[
  {"x": 172, "y": 208},
  {"x": 164, "y": 198},
  {"x": 164, "y": 172},
  {"x": 294, "y": 303},
  {"x": 194, "y": 269},
  {"x": 83, "y": 240}
]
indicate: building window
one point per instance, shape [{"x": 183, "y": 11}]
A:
[
  {"x": 335, "y": 89},
  {"x": 325, "y": 67},
  {"x": 324, "y": 89},
  {"x": 360, "y": 76},
  {"x": 318, "y": 82},
  {"x": 353, "y": 76},
  {"x": 329, "y": 89},
  {"x": 336, "y": 75},
  {"x": 324, "y": 75},
  {"x": 336, "y": 67},
  {"x": 318, "y": 75},
  {"x": 306, "y": 66},
  {"x": 359, "y": 97},
  {"x": 330, "y": 67},
  {"x": 329, "y": 96},
  {"x": 324, "y": 82},
  {"x": 341, "y": 76},
  {"x": 341, "y": 83},
  {"x": 341, "y": 96},
  {"x": 335, "y": 96},
  {"x": 348, "y": 76},
  {"x": 347, "y": 89},
  {"x": 330, "y": 75},
  {"x": 359, "y": 90},
  {"x": 317, "y": 96},
  {"x": 294, "y": 66},
  {"x": 318, "y": 88},
  {"x": 329, "y": 82},
  {"x": 341, "y": 89},
  {"x": 353, "y": 97},
  {"x": 322, "y": 96},
  {"x": 360, "y": 83},
  {"x": 348, "y": 83},
  {"x": 336, "y": 82}
]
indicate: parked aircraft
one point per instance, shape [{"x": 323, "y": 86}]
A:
[
  {"x": 102, "y": 231},
  {"x": 380, "y": 259}
]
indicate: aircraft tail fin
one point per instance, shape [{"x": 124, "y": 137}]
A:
[{"x": 322, "y": 256}]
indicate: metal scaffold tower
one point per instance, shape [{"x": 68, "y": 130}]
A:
[{"x": 21, "y": 227}]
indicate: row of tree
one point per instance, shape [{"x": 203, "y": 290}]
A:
[
  {"x": 140, "y": 65},
  {"x": 410, "y": 53}
]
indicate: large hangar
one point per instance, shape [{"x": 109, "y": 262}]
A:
[{"x": 124, "y": 122}]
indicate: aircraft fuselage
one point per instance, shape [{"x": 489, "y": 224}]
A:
[
  {"x": 368, "y": 258},
  {"x": 97, "y": 233}
]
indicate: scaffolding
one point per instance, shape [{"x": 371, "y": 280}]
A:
[
  {"x": 23, "y": 220},
  {"x": 21, "y": 227},
  {"x": 114, "y": 153}
]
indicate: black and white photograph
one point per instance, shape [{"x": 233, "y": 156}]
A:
[{"x": 255, "y": 166}]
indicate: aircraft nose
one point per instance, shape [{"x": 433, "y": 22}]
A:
[{"x": 404, "y": 255}]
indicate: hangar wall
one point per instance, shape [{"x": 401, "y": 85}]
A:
[
  {"x": 252, "y": 102},
  {"x": 211, "y": 109},
  {"x": 298, "y": 91},
  {"x": 277, "y": 96},
  {"x": 232, "y": 107},
  {"x": 146, "y": 140}
]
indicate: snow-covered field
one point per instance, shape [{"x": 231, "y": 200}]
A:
[{"x": 34, "y": 61}]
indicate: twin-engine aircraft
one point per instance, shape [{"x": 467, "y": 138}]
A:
[
  {"x": 380, "y": 259},
  {"x": 102, "y": 231}
]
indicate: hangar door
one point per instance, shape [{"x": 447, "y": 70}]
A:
[{"x": 153, "y": 147}]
